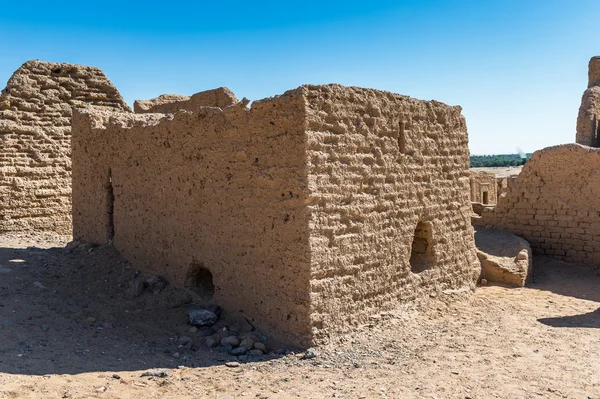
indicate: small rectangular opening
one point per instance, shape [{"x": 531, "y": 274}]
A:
[
  {"x": 110, "y": 199},
  {"x": 486, "y": 199}
]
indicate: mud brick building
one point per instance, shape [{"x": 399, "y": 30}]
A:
[{"x": 308, "y": 212}]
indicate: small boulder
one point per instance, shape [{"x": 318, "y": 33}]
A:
[
  {"x": 199, "y": 316},
  {"x": 504, "y": 257},
  {"x": 156, "y": 373},
  {"x": 239, "y": 351},
  {"x": 260, "y": 346},
  {"x": 247, "y": 343},
  {"x": 310, "y": 353},
  {"x": 231, "y": 340}
]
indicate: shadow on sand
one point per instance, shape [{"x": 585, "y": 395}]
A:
[
  {"x": 588, "y": 320},
  {"x": 569, "y": 280},
  {"x": 65, "y": 312},
  {"x": 565, "y": 279}
]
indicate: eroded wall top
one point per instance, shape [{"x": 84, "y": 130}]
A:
[{"x": 221, "y": 97}]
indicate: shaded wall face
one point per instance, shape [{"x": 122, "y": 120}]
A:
[
  {"x": 214, "y": 191},
  {"x": 554, "y": 205},
  {"x": 390, "y": 208},
  {"x": 35, "y": 148},
  {"x": 484, "y": 187}
]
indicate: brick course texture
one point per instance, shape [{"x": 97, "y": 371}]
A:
[
  {"x": 35, "y": 137},
  {"x": 553, "y": 204},
  {"x": 312, "y": 210}
]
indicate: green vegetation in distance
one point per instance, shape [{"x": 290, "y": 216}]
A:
[{"x": 489, "y": 161}]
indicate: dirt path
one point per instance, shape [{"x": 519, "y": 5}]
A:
[{"x": 70, "y": 329}]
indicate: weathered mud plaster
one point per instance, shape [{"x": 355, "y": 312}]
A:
[
  {"x": 312, "y": 210},
  {"x": 35, "y": 152}
]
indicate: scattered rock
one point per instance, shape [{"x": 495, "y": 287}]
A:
[
  {"x": 199, "y": 316},
  {"x": 155, "y": 284},
  {"x": 156, "y": 373},
  {"x": 136, "y": 287},
  {"x": 260, "y": 346},
  {"x": 185, "y": 341},
  {"x": 39, "y": 285},
  {"x": 232, "y": 364},
  {"x": 5, "y": 270},
  {"x": 247, "y": 343},
  {"x": 239, "y": 351},
  {"x": 231, "y": 340},
  {"x": 255, "y": 352},
  {"x": 211, "y": 342},
  {"x": 310, "y": 353},
  {"x": 176, "y": 355},
  {"x": 193, "y": 329}
]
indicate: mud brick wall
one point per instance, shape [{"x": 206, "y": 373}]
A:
[
  {"x": 212, "y": 190},
  {"x": 35, "y": 135},
  {"x": 389, "y": 204},
  {"x": 312, "y": 210},
  {"x": 484, "y": 187},
  {"x": 554, "y": 204},
  {"x": 588, "y": 119}
]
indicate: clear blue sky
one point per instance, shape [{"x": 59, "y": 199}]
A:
[{"x": 518, "y": 68}]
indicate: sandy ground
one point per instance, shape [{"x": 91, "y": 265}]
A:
[
  {"x": 69, "y": 329},
  {"x": 502, "y": 171}
]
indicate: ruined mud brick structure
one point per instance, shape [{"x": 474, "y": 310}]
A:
[
  {"x": 35, "y": 136},
  {"x": 588, "y": 120},
  {"x": 484, "y": 187},
  {"x": 553, "y": 203},
  {"x": 309, "y": 212}
]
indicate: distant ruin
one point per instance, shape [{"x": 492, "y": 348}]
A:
[
  {"x": 553, "y": 203},
  {"x": 307, "y": 213},
  {"x": 484, "y": 187},
  {"x": 35, "y": 127}
]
